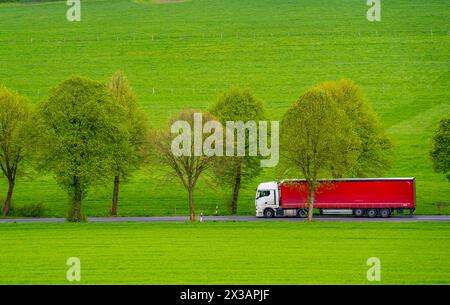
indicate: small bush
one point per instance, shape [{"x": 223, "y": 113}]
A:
[{"x": 28, "y": 210}]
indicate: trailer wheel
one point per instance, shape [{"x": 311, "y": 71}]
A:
[
  {"x": 269, "y": 213},
  {"x": 385, "y": 213},
  {"x": 358, "y": 212},
  {"x": 371, "y": 213},
  {"x": 302, "y": 213}
]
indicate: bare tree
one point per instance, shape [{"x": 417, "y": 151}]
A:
[{"x": 189, "y": 167}]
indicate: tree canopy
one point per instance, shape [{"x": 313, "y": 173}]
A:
[{"x": 375, "y": 144}]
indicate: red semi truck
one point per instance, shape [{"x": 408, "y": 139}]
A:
[{"x": 369, "y": 197}]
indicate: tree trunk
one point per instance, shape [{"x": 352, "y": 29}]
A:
[
  {"x": 237, "y": 186},
  {"x": 115, "y": 196},
  {"x": 75, "y": 209},
  {"x": 191, "y": 204},
  {"x": 311, "y": 201},
  {"x": 8, "y": 198}
]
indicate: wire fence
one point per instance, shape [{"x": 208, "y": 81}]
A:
[
  {"x": 290, "y": 91},
  {"x": 262, "y": 37}
]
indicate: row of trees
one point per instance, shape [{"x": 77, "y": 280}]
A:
[
  {"x": 88, "y": 132},
  {"x": 85, "y": 133},
  {"x": 331, "y": 131}
]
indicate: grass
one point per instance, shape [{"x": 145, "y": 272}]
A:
[
  {"x": 183, "y": 55},
  {"x": 225, "y": 253}
]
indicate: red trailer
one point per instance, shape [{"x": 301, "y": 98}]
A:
[{"x": 369, "y": 197}]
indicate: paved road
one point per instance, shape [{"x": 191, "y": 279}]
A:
[{"x": 339, "y": 218}]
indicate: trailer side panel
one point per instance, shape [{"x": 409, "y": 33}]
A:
[{"x": 351, "y": 194}]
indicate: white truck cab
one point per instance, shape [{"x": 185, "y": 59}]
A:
[{"x": 267, "y": 199}]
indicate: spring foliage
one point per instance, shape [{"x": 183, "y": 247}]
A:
[
  {"x": 188, "y": 169},
  {"x": 129, "y": 151},
  {"x": 14, "y": 119},
  {"x": 237, "y": 105},
  {"x": 79, "y": 126},
  {"x": 440, "y": 152},
  {"x": 332, "y": 132},
  {"x": 372, "y": 158}
]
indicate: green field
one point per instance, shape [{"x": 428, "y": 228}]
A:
[
  {"x": 183, "y": 55},
  {"x": 226, "y": 253}
]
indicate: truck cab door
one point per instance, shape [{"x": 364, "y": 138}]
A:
[
  {"x": 270, "y": 199},
  {"x": 265, "y": 197}
]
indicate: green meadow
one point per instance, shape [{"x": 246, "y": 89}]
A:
[
  {"x": 225, "y": 253},
  {"x": 184, "y": 54}
]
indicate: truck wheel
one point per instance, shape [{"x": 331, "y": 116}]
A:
[
  {"x": 302, "y": 213},
  {"x": 385, "y": 213},
  {"x": 358, "y": 212},
  {"x": 269, "y": 213},
  {"x": 371, "y": 213}
]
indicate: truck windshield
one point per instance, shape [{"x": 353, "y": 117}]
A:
[{"x": 262, "y": 194}]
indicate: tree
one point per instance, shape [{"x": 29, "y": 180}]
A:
[
  {"x": 79, "y": 125},
  {"x": 318, "y": 139},
  {"x": 14, "y": 117},
  {"x": 129, "y": 151},
  {"x": 440, "y": 152},
  {"x": 375, "y": 144},
  {"x": 237, "y": 105},
  {"x": 178, "y": 154}
]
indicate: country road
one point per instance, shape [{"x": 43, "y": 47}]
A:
[{"x": 338, "y": 218}]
